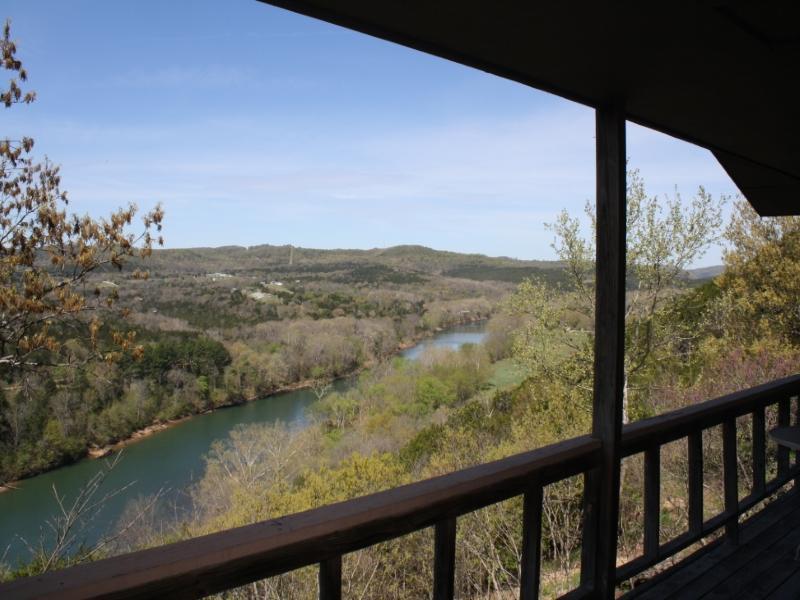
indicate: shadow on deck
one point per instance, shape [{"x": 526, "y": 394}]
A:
[{"x": 765, "y": 563}]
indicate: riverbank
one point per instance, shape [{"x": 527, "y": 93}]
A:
[
  {"x": 96, "y": 452},
  {"x": 168, "y": 463},
  {"x": 104, "y": 451}
]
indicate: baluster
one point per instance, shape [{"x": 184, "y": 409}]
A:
[
  {"x": 784, "y": 409},
  {"x": 796, "y": 400},
  {"x": 759, "y": 452},
  {"x": 696, "y": 482},
  {"x": 330, "y": 579},
  {"x": 652, "y": 500},
  {"x": 591, "y": 484},
  {"x": 531, "y": 543},
  {"x": 444, "y": 560},
  {"x": 731, "y": 477}
]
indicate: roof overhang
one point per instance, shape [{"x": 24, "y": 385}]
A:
[{"x": 724, "y": 75}]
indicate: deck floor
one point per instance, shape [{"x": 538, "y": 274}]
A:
[{"x": 765, "y": 563}]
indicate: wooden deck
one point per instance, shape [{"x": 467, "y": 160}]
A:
[{"x": 764, "y": 565}]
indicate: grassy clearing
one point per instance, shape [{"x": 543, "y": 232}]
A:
[{"x": 507, "y": 373}]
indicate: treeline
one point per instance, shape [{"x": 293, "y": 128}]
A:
[{"x": 49, "y": 417}]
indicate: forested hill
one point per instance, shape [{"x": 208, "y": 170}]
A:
[
  {"x": 396, "y": 264},
  {"x": 383, "y": 264}
]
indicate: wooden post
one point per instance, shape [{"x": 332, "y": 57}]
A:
[
  {"x": 796, "y": 402},
  {"x": 602, "y": 491},
  {"x": 330, "y": 579},
  {"x": 530, "y": 567},
  {"x": 652, "y": 501},
  {"x": 759, "y": 451},
  {"x": 731, "y": 479},
  {"x": 444, "y": 559},
  {"x": 695, "y": 483},
  {"x": 784, "y": 419}
]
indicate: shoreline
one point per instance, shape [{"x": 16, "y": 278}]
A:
[{"x": 95, "y": 452}]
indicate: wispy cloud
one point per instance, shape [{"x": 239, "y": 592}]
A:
[{"x": 484, "y": 185}]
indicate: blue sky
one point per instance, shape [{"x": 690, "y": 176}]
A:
[{"x": 253, "y": 125}]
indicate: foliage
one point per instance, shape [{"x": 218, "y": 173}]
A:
[
  {"x": 46, "y": 255},
  {"x": 664, "y": 238},
  {"x": 197, "y": 355},
  {"x": 761, "y": 282}
]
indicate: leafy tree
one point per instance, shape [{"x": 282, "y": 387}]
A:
[
  {"x": 664, "y": 239},
  {"x": 761, "y": 283},
  {"x": 46, "y": 254}
]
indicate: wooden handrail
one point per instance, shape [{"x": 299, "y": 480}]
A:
[
  {"x": 235, "y": 557},
  {"x": 639, "y": 436}
]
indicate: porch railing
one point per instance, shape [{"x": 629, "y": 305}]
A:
[
  {"x": 649, "y": 435},
  {"x": 235, "y": 557}
]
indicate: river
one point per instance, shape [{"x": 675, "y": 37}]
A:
[{"x": 170, "y": 460}]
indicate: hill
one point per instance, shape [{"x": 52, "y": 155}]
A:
[{"x": 396, "y": 264}]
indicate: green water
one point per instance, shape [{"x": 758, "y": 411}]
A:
[{"x": 169, "y": 460}]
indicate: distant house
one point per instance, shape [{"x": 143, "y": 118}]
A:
[
  {"x": 259, "y": 296},
  {"x": 215, "y": 276}
]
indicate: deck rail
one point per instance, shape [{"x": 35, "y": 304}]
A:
[
  {"x": 235, "y": 557},
  {"x": 649, "y": 435}
]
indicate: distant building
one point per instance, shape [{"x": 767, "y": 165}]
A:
[
  {"x": 215, "y": 276},
  {"x": 260, "y": 296}
]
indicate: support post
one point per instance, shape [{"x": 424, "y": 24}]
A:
[
  {"x": 602, "y": 490},
  {"x": 330, "y": 579}
]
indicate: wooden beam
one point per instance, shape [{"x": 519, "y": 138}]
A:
[{"x": 600, "y": 531}]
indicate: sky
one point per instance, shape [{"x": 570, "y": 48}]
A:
[{"x": 252, "y": 125}]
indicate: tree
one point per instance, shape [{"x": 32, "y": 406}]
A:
[
  {"x": 761, "y": 282},
  {"x": 664, "y": 239},
  {"x": 46, "y": 255}
]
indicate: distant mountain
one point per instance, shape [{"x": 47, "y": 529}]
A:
[{"x": 705, "y": 272}]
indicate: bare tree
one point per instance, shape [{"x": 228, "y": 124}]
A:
[{"x": 63, "y": 541}]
